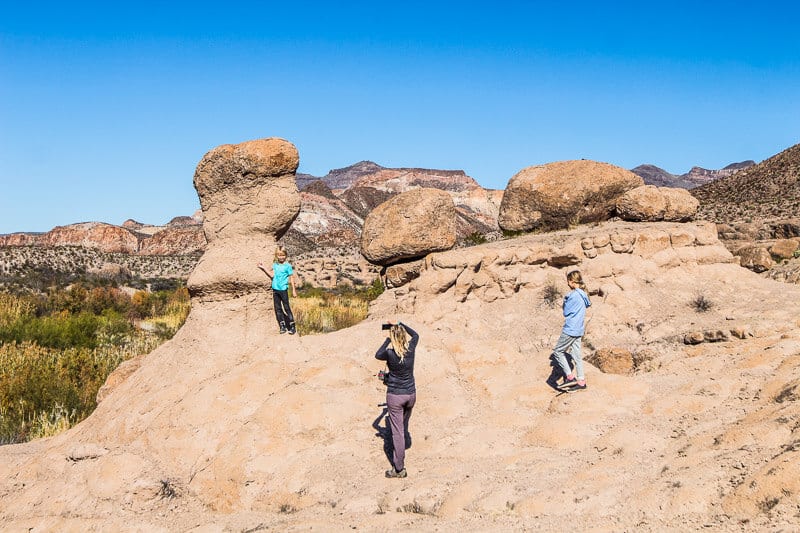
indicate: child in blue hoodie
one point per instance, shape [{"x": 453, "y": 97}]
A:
[{"x": 575, "y": 304}]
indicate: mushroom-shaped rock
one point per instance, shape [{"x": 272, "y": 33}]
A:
[
  {"x": 557, "y": 195},
  {"x": 411, "y": 224},
  {"x": 249, "y": 199},
  {"x": 649, "y": 203}
]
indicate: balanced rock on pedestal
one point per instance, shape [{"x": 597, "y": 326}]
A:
[
  {"x": 557, "y": 195},
  {"x": 249, "y": 199}
]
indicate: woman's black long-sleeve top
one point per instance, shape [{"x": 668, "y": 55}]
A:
[{"x": 401, "y": 373}]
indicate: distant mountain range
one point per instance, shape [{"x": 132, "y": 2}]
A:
[{"x": 697, "y": 176}]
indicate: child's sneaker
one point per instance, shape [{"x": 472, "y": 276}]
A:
[
  {"x": 394, "y": 473},
  {"x": 292, "y": 329},
  {"x": 283, "y": 328},
  {"x": 578, "y": 386},
  {"x": 568, "y": 383}
]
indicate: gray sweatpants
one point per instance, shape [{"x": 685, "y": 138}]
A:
[
  {"x": 400, "y": 406},
  {"x": 564, "y": 344}
]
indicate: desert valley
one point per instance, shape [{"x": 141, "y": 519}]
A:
[{"x": 691, "y": 418}]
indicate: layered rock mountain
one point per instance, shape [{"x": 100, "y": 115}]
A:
[{"x": 696, "y": 177}]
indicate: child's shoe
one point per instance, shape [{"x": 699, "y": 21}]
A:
[
  {"x": 292, "y": 329},
  {"x": 283, "y": 328},
  {"x": 568, "y": 383},
  {"x": 394, "y": 473}
]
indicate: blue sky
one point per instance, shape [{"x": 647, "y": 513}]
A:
[{"x": 106, "y": 108}]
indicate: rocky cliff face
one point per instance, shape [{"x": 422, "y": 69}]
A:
[{"x": 130, "y": 238}]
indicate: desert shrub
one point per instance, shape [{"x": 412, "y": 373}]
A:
[
  {"x": 374, "y": 290},
  {"x": 165, "y": 284},
  {"x": 475, "y": 238},
  {"x": 329, "y": 313},
  {"x": 510, "y": 234},
  {"x": 64, "y": 330},
  {"x": 701, "y": 304},
  {"x": 551, "y": 293}
]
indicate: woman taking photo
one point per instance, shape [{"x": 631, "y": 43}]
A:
[{"x": 401, "y": 392}]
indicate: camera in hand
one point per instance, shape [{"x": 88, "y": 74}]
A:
[
  {"x": 383, "y": 376},
  {"x": 386, "y": 326}
]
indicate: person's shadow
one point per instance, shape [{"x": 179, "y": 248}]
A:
[
  {"x": 385, "y": 433},
  {"x": 556, "y": 373}
]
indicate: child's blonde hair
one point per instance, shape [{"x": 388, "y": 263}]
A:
[
  {"x": 280, "y": 251},
  {"x": 397, "y": 334},
  {"x": 575, "y": 277}
]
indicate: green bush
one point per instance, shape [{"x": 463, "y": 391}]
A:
[
  {"x": 37, "y": 383},
  {"x": 57, "y": 349}
]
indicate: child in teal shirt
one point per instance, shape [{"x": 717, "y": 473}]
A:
[{"x": 282, "y": 276}]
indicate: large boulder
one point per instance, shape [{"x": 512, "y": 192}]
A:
[
  {"x": 557, "y": 195},
  {"x": 411, "y": 224},
  {"x": 249, "y": 199},
  {"x": 754, "y": 257},
  {"x": 784, "y": 248},
  {"x": 681, "y": 205},
  {"x": 649, "y": 203}
]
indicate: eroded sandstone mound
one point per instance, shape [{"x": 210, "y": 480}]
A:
[{"x": 564, "y": 193}]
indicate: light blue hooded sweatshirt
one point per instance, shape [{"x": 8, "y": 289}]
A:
[{"x": 575, "y": 304}]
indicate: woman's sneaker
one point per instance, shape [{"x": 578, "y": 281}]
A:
[{"x": 394, "y": 473}]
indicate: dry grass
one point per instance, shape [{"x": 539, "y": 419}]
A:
[{"x": 322, "y": 314}]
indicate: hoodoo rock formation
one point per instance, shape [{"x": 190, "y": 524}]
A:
[
  {"x": 249, "y": 199},
  {"x": 564, "y": 193}
]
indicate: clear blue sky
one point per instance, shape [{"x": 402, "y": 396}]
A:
[{"x": 106, "y": 108}]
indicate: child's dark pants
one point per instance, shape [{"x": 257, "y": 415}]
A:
[{"x": 283, "y": 313}]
